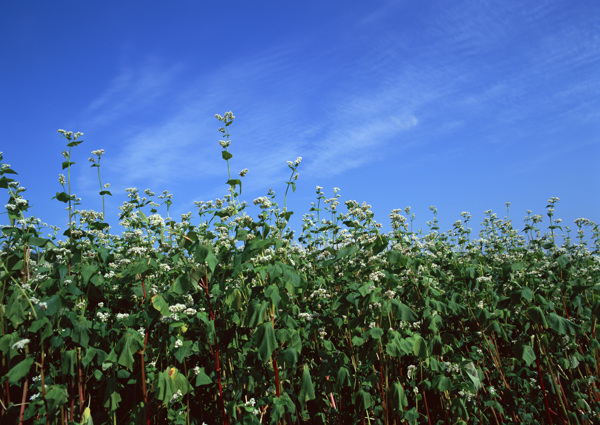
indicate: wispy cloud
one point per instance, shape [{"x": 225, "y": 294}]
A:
[
  {"x": 340, "y": 109},
  {"x": 135, "y": 88}
]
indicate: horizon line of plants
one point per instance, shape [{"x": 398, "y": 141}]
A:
[{"x": 237, "y": 321}]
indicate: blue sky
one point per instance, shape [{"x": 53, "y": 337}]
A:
[{"x": 464, "y": 105}]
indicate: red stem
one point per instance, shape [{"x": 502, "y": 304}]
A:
[
  {"x": 537, "y": 360},
  {"x": 143, "y": 288},
  {"x": 144, "y": 392},
  {"x": 81, "y": 393},
  {"x": 72, "y": 408},
  {"x": 23, "y": 400},
  {"x": 217, "y": 360},
  {"x": 426, "y": 408},
  {"x": 276, "y": 375}
]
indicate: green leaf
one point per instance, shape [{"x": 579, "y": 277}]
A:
[
  {"x": 19, "y": 371},
  {"x": 256, "y": 312},
  {"x": 288, "y": 358},
  {"x": 399, "y": 400},
  {"x": 80, "y": 334},
  {"x": 357, "y": 341},
  {"x": 43, "y": 324},
  {"x": 266, "y": 341},
  {"x": 56, "y": 396},
  {"x": 436, "y": 346},
  {"x": 87, "y": 270},
  {"x": 16, "y": 307},
  {"x": 376, "y": 333},
  {"x": 62, "y": 197},
  {"x": 393, "y": 348},
  {"x": 235, "y": 182},
  {"x": 130, "y": 344},
  {"x": 362, "y": 400},
  {"x": 8, "y": 171},
  {"x": 403, "y": 311},
  {"x": 159, "y": 303},
  {"x": 380, "y": 244},
  {"x": 473, "y": 373},
  {"x": 343, "y": 378},
  {"x": 35, "y": 241},
  {"x": 202, "y": 378},
  {"x": 420, "y": 348},
  {"x": 516, "y": 267},
  {"x": 537, "y": 316},
  {"x": 272, "y": 293},
  {"x": 442, "y": 383},
  {"x": 563, "y": 261},
  {"x": 181, "y": 285},
  {"x": 86, "y": 417},
  {"x": 226, "y": 155},
  {"x": 307, "y": 389},
  {"x": 346, "y": 252},
  {"x": 561, "y": 325},
  {"x": 204, "y": 254}
]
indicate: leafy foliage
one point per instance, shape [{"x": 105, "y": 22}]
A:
[{"x": 234, "y": 320}]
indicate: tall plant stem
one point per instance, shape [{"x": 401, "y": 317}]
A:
[
  {"x": 144, "y": 392},
  {"x": 204, "y": 283},
  {"x": 69, "y": 183},
  {"x": 43, "y": 380},
  {"x": 80, "y": 383},
  {"x": 539, "y": 370},
  {"x": 426, "y": 407},
  {"x": 101, "y": 188},
  {"x": 23, "y": 401}
]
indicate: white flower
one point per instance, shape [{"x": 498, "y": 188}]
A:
[
  {"x": 103, "y": 316},
  {"x": 177, "y": 308},
  {"x": 176, "y": 396},
  {"x": 178, "y": 343},
  {"x": 19, "y": 345},
  {"x": 306, "y": 316},
  {"x": 121, "y": 316}
]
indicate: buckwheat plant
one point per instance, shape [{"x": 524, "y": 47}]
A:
[
  {"x": 103, "y": 189},
  {"x": 227, "y": 119},
  {"x": 234, "y": 321},
  {"x": 68, "y": 197}
]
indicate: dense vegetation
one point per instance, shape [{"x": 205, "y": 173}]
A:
[{"x": 235, "y": 320}]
